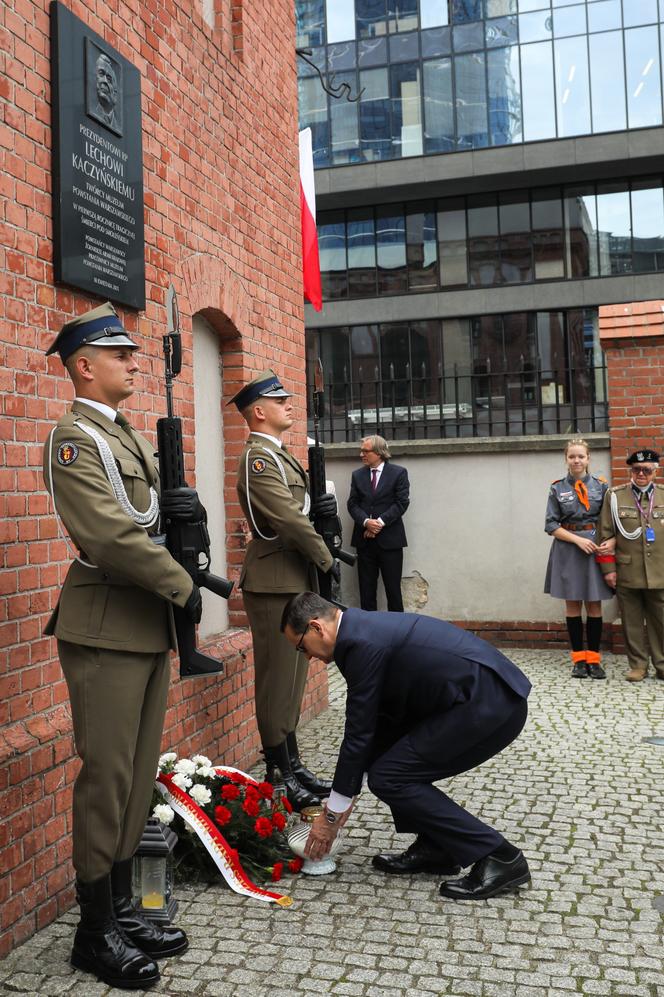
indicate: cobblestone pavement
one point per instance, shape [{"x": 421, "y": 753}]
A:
[{"x": 579, "y": 791}]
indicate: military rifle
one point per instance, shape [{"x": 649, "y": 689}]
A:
[
  {"x": 328, "y": 527},
  {"x": 188, "y": 542}
]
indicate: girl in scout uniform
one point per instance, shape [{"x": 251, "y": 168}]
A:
[{"x": 573, "y": 573}]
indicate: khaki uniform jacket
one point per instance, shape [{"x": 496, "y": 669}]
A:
[
  {"x": 639, "y": 564},
  {"x": 285, "y": 563},
  {"x": 124, "y": 602}
]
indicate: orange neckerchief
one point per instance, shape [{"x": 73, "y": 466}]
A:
[{"x": 582, "y": 494}]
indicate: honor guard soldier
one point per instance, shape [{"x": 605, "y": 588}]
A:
[
  {"x": 114, "y": 626},
  {"x": 282, "y": 559},
  {"x": 634, "y": 515}
]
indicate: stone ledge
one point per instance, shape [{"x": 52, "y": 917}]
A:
[{"x": 472, "y": 445}]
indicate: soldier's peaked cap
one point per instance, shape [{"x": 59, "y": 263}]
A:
[
  {"x": 643, "y": 457},
  {"x": 98, "y": 327},
  {"x": 266, "y": 385}
]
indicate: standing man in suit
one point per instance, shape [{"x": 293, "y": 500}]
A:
[
  {"x": 379, "y": 497},
  {"x": 114, "y": 626},
  {"x": 283, "y": 557},
  {"x": 426, "y": 700}
]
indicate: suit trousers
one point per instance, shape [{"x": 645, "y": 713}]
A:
[
  {"x": 372, "y": 559},
  {"x": 280, "y": 672},
  {"x": 118, "y": 703},
  {"x": 642, "y": 614},
  {"x": 402, "y": 778}
]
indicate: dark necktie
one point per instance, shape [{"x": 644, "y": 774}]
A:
[{"x": 374, "y": 479}]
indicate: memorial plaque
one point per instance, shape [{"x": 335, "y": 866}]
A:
[{"x": 97, "y": 164}]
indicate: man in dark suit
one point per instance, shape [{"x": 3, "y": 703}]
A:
[
  {"x": 426, "y": 700},
  {"x": 379, "y": 497}
]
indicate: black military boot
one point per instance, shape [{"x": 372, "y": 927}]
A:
[
  {"x": 101, "y": 948},
  {"x": 279, "y": 771},
  {"x": 158, "y": 941},
  {"x": 306, "y": 778}
]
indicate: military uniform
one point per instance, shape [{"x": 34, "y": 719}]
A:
[
  {"x": 639, "y": 566},
  {"x": 114, "y": 626},
  {"x": 281, "y": 560}
]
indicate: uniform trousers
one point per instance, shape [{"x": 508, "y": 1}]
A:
[
  {"x": 372, "y": 559},
  {"x": 280, "y": 671},
  {"x": 118, "y": 703},
  {"x": 402, "y": 778},
  {"x": 639, "y": 607}
]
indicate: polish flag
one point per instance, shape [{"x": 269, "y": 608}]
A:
[{"x": 310, "y": 260}]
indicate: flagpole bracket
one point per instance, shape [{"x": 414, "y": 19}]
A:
[{"x": 338, "y": 91}]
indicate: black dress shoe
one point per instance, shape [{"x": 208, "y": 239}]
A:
[
  {"x": 418, "y": 857},
  {"x": 596, "y": 672},
  {"x": 488, "y": 878}
]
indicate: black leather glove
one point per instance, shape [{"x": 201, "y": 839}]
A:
[
  {"x": 335, "y": 571},
  {"x": 183, "y": 505},
  {"x": 193, "y": 607},
  {"x": 324, "y": 506}
]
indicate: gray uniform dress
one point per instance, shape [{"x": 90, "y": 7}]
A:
[{"x": 571, "y": 574}]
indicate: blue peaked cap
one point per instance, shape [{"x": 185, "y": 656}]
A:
[
  {"x": 98, "y": 327},
  {"x": 266, "y": 385}
]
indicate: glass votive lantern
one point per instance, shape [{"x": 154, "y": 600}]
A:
[{"x": 152, "y": 873}]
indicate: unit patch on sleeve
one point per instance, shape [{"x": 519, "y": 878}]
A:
[
  {"x": 67, "y": 453},
  {"x": 258, "y": 465}
]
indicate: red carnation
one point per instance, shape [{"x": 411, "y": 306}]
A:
[
  {"x": 286, "y": 804},
  {"x": 279, "y": 821},
  {"x": 266, "y": 789},
  {"x": 252, "y": 793},
  {"x": 251, "y": 807},
  {"x": 295, "y": 864},
  {"x": 237, "y": 777},
  {"x": 230, "y": 791},
  {"x": 277, "y": 871},
  {"x": 222, "y": 815},
  {"x": 263, "y": 827}
]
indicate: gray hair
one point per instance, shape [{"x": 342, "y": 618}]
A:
[
  {"x": 378, "y": 445},
  {"x": 303, "y": 608}
]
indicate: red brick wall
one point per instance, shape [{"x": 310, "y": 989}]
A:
[
  {"x": 632, "y": 337},
  {"x": 221, "y": 222}
]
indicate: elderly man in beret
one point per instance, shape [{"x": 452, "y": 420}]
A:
[
  {"x": 114, "y": 627},
  {"x": 633, "y": 514}
]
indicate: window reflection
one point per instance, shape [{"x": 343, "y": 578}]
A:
[
  {"x": 614, "y": 229},
  {"x": 471, "y": 106},
  {"x": 433, "y": 13},
  {"x": 344, "y": 128},
  {"x": 648, "y": 225},
  {"x": 452, "y": 244},
  {"x": 504, "y": 100},
  {"x": 607, "y": 82},
  {"x": 572, "y": 96},
  {"x": 391, "y": 249},
  {"x": 644, "y": 95},
  {"x": 605, "y": 15},
  {"x": 310, "y": 23},
  {"x": 548, "y": 234},
  {"x": 516, "y": 265},
  {"x": 406, "y": 106},
  {"x": 639, "y": 12},
  {"x": 402, "y": 15},
  {"x": 438, "y": 106},
  {"x": 370, "y": 18},
  {"x": 313, "y": 114},
  {"x": 581, "y": 229},
  {"x": 375, "y": 132},
  {"x": 421, "y": 247},
  {"x": 361, "y": 252},
  {"x": 332, "y": 254},
  {"x": 483, "y": 258},
  {"x": 539, "y": 114},
  {"x": 340, "y": 20}
]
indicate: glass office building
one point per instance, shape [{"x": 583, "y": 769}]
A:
[{"x": 533, "y": 192}]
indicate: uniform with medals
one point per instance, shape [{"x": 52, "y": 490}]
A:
[
  {"x": 634, "y": 515},
  {"x": 282, "y": 559},
  {"x": 114, "y": 626}
]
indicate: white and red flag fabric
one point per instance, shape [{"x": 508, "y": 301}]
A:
[{"x": 310, "y": 259}]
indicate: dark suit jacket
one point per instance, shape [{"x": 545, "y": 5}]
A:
[
  {"x": 388, "y": 502},
  {"x": 402, "y": 669}
]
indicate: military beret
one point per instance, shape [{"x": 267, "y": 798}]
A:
[
  {"x": 266, "y": 385},
  {"x": 98, "y": 327},
  {"x": 643, "y": 457}
]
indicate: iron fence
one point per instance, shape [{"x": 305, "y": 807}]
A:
[{"x": 457, "y": 403}]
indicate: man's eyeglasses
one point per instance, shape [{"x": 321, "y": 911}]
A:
[
  {"x": 300, "y": 644},
  {"x": 644, "y": 470},
  {"x": 366, "y": 451}
]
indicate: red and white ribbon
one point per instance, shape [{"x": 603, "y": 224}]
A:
[{"x": 224, "y": 857}]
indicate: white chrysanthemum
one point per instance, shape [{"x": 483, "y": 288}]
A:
[
  {"x": 185, "y": 766},
  {"x": 206, "y": 772},
  {"x": 163, "y": 813},
  {"x": 182, "y": 781},
  {"x": 201, "y": 794},
  {"x": 202, "y": 760},
  {"x": 164, "y": 759}
]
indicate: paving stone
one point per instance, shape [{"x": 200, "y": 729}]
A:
[{"x": 578, "y": 791}]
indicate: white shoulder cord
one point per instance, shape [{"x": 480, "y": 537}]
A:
[
  {"x": 280, "y": 466},
  {"x": 616, "y": 519}
]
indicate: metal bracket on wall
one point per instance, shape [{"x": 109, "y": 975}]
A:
[{"x": 338, "y": 92}]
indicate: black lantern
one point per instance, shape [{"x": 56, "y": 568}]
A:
[{"x": 152, "y": 873}]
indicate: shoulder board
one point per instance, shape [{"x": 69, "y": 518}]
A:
[
  {"x": 556, "y": 480},
  {"x": 600, "y": 477}
]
